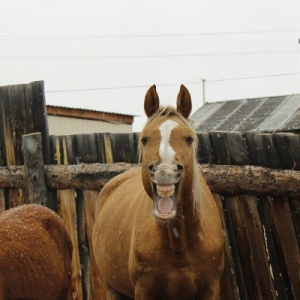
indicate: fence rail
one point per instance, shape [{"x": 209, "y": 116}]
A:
[{"x": 222, "y": 179}]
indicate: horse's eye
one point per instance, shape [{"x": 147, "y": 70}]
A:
[
  {"x": 189, "y": 140},
  {"x": 144, "y": 140}
]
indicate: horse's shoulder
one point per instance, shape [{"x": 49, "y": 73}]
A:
[
  {"x": 122, "y": 178},
  {"x": 114, "y": 183}
]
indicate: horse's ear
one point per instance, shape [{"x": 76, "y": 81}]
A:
[
  {"x": 184, "y": 102},
  {"x": 151, "y": 104}
]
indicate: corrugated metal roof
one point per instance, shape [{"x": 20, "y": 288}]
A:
[
  {"x": 90, "y": 110},
  {"x": 89, "y": 114},
  {"x": 269, "y": 114}
]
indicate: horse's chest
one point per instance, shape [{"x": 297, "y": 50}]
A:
[
  {"x": 168, "y": 279},
  {"x": 179, "y": 283}
]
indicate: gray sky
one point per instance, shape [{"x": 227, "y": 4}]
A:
[{"x": 103, "y": 55}]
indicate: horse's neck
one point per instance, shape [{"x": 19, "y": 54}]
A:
[{"x": 185, "y": 229}]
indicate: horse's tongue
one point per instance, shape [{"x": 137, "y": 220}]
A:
[{"x": 165, "y": 205}]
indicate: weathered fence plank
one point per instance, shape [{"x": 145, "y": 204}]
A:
[
  {"x": 229, "y": 285},
  {"x": 101, "y": 147},
  {"x": 34, "y": 175},
  {"x": 233, "y": 250},
  {"x": 86, "y": 151},
  {"x": 68, "y": 212},
  {"x": 262, "y": 151},
  {"x": 205, "y": 151},
  {"x": 87, "y": 211},
  {"x": 85, "y": 148},
  {"x": 12, "y": 139},
  {"x": 252, "y": 252},
  {"x": 219, "y": 144},
  {"x": 22, "y": 111},
  {"x": 124, "y": 147},
  {"x": 282, "y": 147},
  {"x": 293, "y": 149},
  {"x": 285, "y": 247},
  {"x": 108, "y": 148},
  {"x": 294, "y": 204},
  {"x": 237, "y": 148}
]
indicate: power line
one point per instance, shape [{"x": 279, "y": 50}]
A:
[
  {"x": 118, "y": 87},
  {"x": 130, "y": 36},
  {"x": 260, "y": 52},
  {"x": 252, "y": 77},
  {"x": 167, "y": 84}
]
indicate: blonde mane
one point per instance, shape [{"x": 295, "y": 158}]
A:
[{"x": 196, "y": 186}]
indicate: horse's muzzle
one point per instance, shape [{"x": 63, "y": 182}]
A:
[
  {"x": 165, "y": 179},
  {"x": 165, "y": 174}
]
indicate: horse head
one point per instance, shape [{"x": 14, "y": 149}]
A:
[{"x": 167, "y": 148}]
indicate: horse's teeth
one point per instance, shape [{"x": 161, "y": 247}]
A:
[{"x": 165, "y": 193}]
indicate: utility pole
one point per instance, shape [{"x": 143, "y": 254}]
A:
[{"x": 203, "y": 90}]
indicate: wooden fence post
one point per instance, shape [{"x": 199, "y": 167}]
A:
[
  {"x": 22, "y": 111},
  {"x": 34, "y": 176}
]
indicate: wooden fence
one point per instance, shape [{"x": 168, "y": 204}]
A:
[{"x": 262, "y": 230}]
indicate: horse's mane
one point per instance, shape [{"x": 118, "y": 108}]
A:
[{"x": 171, "y": 111}]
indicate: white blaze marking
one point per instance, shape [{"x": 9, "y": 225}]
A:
[{"x": 166, "y": 152}]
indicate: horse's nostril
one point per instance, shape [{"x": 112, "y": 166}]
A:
[
  {"x": 179, "y": 168},
  {"x": 151, "y": 168}
]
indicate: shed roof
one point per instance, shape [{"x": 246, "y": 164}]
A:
[
  {"x": 89, "y": 114},
  {"x": 267, "y": 114}
]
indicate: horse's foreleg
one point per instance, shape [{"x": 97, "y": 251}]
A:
[
  {"x": 142, "y": 293},
  {"x": 211, "y": 293},
  {"x": 1, "y": 288},
  {"x": 112, "y": 294}
]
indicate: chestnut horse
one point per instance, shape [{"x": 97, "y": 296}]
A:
[
  {"x": 35, "y": 254},
  {"x": 158, "y": 232}
]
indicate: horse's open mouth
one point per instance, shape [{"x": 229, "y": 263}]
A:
[{"x": 165, "y": 204}]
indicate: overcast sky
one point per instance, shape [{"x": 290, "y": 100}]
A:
[{"x": 104, "y": 55}]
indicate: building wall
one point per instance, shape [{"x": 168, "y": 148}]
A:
[{"x": 66, "y": 126}]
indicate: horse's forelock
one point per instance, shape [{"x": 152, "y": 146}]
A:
[{"x": 165, "y": 111}]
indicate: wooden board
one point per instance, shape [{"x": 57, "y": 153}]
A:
[
  {"x": 22, "y": 111},
  {"x": 205, "y": 152},
  {"x": 123, "y": 146},
  {"x": 279, "y": 285},
  {"x": 221, "y": 151},
  {"x": 251, "y": 248},
  {"x": 34, "y": 176},
  {"x": 294, "y": 204},
  {"x": 235, "y": 263},
  {"x": 288, "y": 145},
  {"x": 262, "y": 151},
  {"x": 282, "y": 246},
  {"x": 68, "y": 212},
  {"x": 86, "y": 148},
  {"x": 229, "y": 285},
  {"x": 86, "y": 209},
  {"x": 237, "y": 148},
  {"x": 283, "y": 150}
]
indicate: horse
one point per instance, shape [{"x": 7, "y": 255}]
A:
[
  {"x": 35, "y": 254},
  {"x": 158, "y": 231}
]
